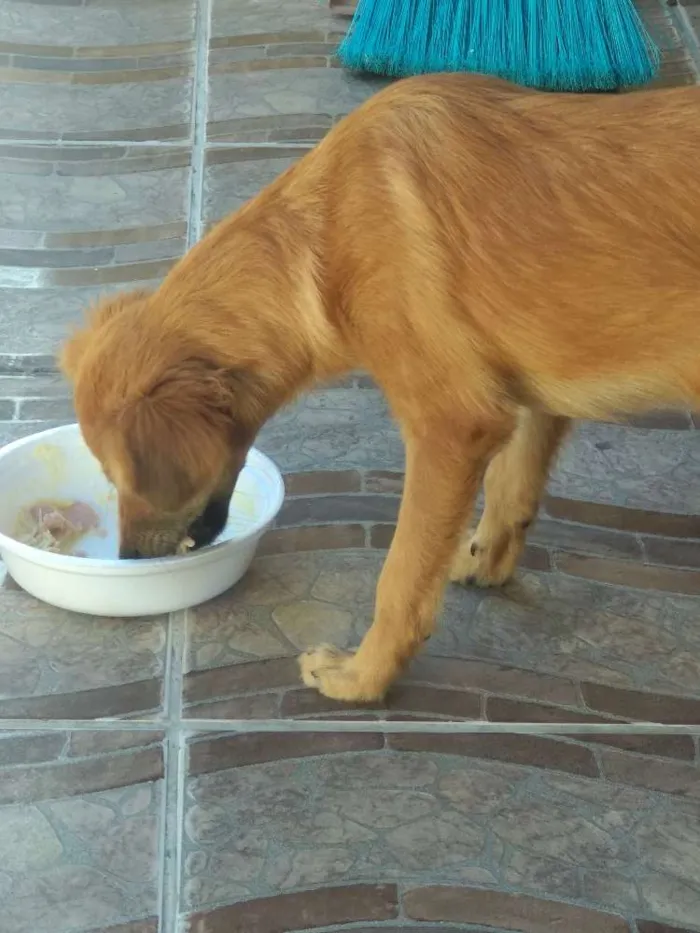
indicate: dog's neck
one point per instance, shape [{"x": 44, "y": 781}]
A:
[{"x": 251, "y": 293}]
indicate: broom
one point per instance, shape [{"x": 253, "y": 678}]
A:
[{"x": 557, "y": 45}]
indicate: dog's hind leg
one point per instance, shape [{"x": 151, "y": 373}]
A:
[
  {"x": 513, "y": 486},
  {"x": 444, "y": 468}
]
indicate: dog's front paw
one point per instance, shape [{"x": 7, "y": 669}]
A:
[
  {"x": 486, "y": 563},
  {"x": 335, "y": 674}
]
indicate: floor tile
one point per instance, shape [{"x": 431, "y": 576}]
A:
[
  {"x": 351, "y": 428},
  {"x": 132, "y": 110},
  {"x": 549, "y": 648},
  {"x": 271, "y": 72},
  {"x": 14, "y": 430},
  {"x": 76, "y": 222},
  {"x": 35, "y": 321},
  {"x": 233, "y": 176},
  {"x": 677, "y": 65},
  {"x": 602, "y": 463},
  {"x": 96, "y": 23},
  {"x": 79, "y": 832},
  {"x": 103, "y": 70},
  {"x": 62, "y": 665},
  {"x": 344, "y": 428},
  {"x": 354, "y": 830},
  {"x": 236, "y": 19},
  {"x": 74, "y": 197},
  {"x": 281, "y": 89}
]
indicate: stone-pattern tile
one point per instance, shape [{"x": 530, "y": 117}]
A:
[
  {"x": 14, "y": 430},
  {"x": 271, "y": 74},
  {"x": 128, "y": 111},
  {"x": 274, "y": 835},
  {"x": 260, "y": 19},
  {"x": 272, "y": 92},
  {"x": 313, "y": 500},
  {"x": 582, "y": 629},
  {"x": 104, "y": 70},
  {"x": 80, "y": 218},
  {"x": 352, "y": 428},
  {"x": 334, "y": 429},
  {"x": 96, "y": 23},
  {"x": 565, "y": 631},
  {"x": 622, "y": 518},
  {"x": 78, "y": 221},
  {"x": 233, "y": 176},
  {"x": 35, "y": 321},
  {"x": 79, "y": 832},
  {"x": 637, "y": 468},
  {"x": 677, "y": 65},
  {"x": 624, "y": 573},
  {"x": 112, "y": 195},
  {"x": 61, "y": 665}
]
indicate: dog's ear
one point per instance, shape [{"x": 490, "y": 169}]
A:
[
  {"x": 181, "y": 434},
  {"x": 73, "y": 350}
]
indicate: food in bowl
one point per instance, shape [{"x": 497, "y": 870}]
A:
[
  {"x": 56, "y": 526},
  {"x": 56, "y": 466}
]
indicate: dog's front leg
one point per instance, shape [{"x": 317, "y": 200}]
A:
[{"x": 444, "y": 467}]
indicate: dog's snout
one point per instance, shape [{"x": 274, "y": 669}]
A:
[
  {"x": 129, "y": 553},
  {"x": 212, "y": 521}
]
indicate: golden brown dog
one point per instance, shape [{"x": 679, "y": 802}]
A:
[{"x": 501, "y": 262}]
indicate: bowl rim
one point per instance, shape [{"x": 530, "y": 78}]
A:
[{"x": 142, "y": 566}]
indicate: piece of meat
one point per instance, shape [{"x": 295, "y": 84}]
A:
[{"x": 55, "y": 526}]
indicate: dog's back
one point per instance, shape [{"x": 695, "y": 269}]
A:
[{"x": 562, "y": 232}]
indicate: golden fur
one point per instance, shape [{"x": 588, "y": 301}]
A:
[{"x": 500, "y": 261}]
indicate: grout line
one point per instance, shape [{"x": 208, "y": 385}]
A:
[
  {"x": 172, "y": 804},
  {"x": 430, "y": 727},
  {"x": 96, "y": 144},
  {"x": 170, "y": 910},
  {"x": 171, "y": 645},
  {"x": 110, "y": 724},
  {"x": 272, "y": 146},
  {"x": 199, "y": 121},
  {"x": 172, "y": 816},
  {"x": 434, "y": 727},
  {"x": 165, "y": 144}
]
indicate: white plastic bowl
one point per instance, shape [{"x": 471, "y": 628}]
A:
[{"x": 58, "y": 465}]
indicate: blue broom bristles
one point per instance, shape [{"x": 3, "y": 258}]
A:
[{"x": 567, "y": 45}]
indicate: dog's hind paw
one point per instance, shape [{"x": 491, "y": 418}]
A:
[{"x": 485, "y": 564}]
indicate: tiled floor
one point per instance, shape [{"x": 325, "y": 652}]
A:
[{"x": 171, "y": 775}]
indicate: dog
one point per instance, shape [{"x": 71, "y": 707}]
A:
[{"x": 500, "y": 261}]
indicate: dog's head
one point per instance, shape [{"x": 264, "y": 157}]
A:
[{"x": 169, "y": 424}]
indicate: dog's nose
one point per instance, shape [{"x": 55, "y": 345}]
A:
[{"x": 128, "y": 553}]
